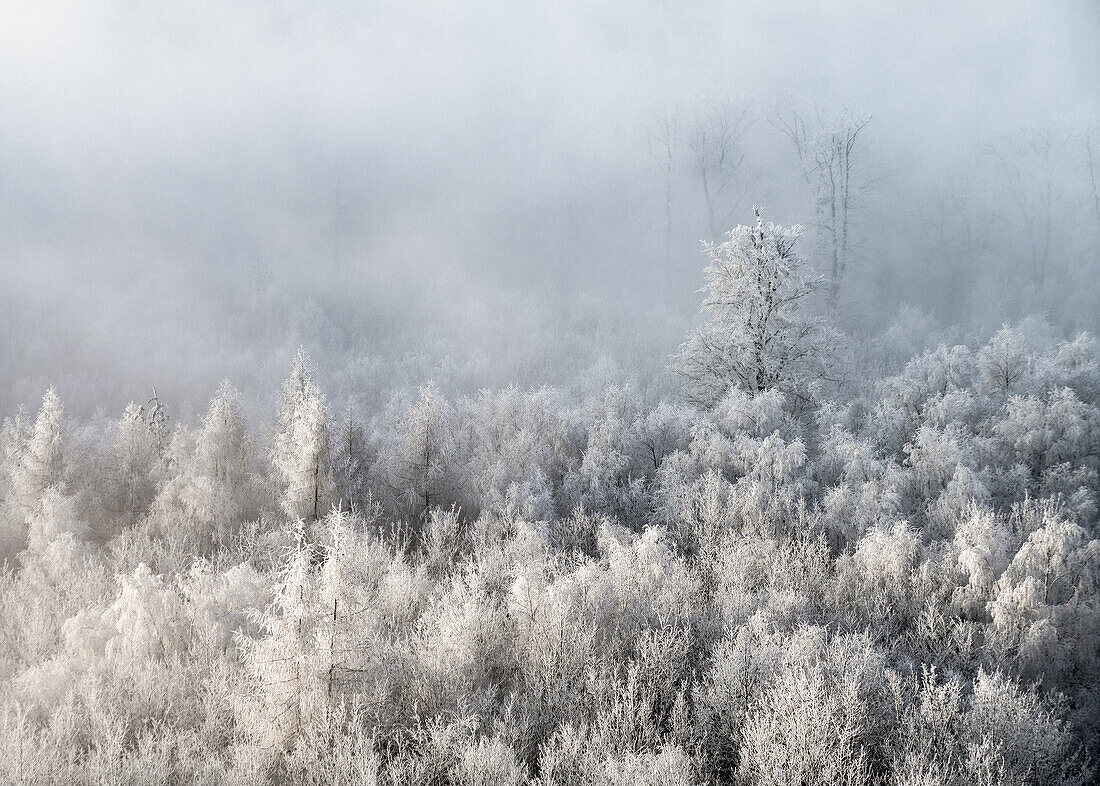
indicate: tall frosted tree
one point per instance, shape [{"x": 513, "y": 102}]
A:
[
  {"x": 286, "y": 665},
  {"x": 759, "y": 331},
  {"x": 42, "y": 463},
  {"x": 349, "y": 460},
  {"x": 419, "y": 461},
  {"x": 300, "y": 449},
  {"x": 12, "y": 437},
  {"x": 224, "y": 446},
  {"x": 212, "y": 487},
  {"x": 133, "y": 456}
]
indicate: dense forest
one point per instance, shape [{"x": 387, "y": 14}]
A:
[
  {"x": 829, "y": 566},
  {"x": 614, "y": 392}
]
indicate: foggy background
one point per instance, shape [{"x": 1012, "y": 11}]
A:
[{"x": 468, "y": 192}]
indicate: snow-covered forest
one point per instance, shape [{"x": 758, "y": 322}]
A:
[
  {"x": 372, "y": 412},
  {"x": 895, "y": 583}
]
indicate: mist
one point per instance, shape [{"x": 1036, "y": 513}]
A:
[
  {"x": 460, "y": 192},
  {"x": 652, "y": 393}
]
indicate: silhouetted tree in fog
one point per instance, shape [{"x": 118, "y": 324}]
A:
[{"x": 827, "y": 147}]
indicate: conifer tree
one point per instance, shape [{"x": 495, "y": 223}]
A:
[
  {"x": 300, "y": 450},
  {"x": 42, "y": 464}
]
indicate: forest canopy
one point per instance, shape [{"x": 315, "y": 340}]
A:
[
  {"x": 892, "y": 579},
  {"x": 559, "y": 393}
]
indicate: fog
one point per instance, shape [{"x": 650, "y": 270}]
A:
[
  {"x": 468, "y": 191},
  {"x": 575, "y": 392}
]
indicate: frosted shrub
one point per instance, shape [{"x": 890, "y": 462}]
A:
[
  {"x": 668, "y": 767},
  {"x": 880, "y": 579},
  {"x": 661, "y": 431},
  {"x": 929, "y": 749},
  {"x": 147, "y": 621},
  {"x": 1012, "y": 734},
  {"x": 965, "y": 490},
  {"x": 848, "y": 512},
  {"x": 806, "y": 729},
  {"x": 1044, "y": 607},
  {"x": 1041, "y": 433},
  {"x": 576, "y": 534},
  {"x": 221, "y": 603},
  {"x": 1006, "y": 364},
  {"x": 566, "y": 759},
  {"x": 442, "y": 539},
  {"x": 488, "y": 762},
  {"x": 40, "y": 689},
  {"x": 466, "y": 649},
  {"x": 1075, "y": 365},
  {"x": 610, "y": 478},
  {"x": 756, "y": 416},
  {"x": 56, "y": 517},
  {"x": 649, "y": 580},
  {"x": 742, "y": 667},
  {"x": 847, "y": 459},
  {"x": 782, "y": 579},
  {"x": 933, "y": 458},
  {"x": 934, "y": 373},
  {"x": 982, "y": 545}
]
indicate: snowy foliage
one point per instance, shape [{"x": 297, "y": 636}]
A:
[
  {"x": 898, "y": 585},
  {"x": 300, "y": 446},
  {"x": 758, "y": 334}
]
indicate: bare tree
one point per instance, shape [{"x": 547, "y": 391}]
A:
[
  {"x": 1032, "y": 165},
  {"x": 956, "y": 240},
  {"x": 1091, "y": 168},
  {"x": 718, "y": 126},
  {"x": 662, "y": 138},
  {"x": 827, "y": 152}
]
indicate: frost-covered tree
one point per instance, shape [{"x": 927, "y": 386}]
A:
[
  {"x": 760, "y": 332},
  {"x": 212, "y": 486},
  {"x": 132, "y": 456},
  {"x": 157, "y": 418},
  {"x": 350, "y": 460},
  {"x": 610, "y": 476},
  {"x": 420, "y": 458},
  {"x": 283, "y": 663},
  {"x": 224, "y": 445},
  {"x": 1041, "y": 434},
  {"x": 42, "y": 463},
  {"x": 300, "y": 448},
  {"x": 12, "y": 437}
]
